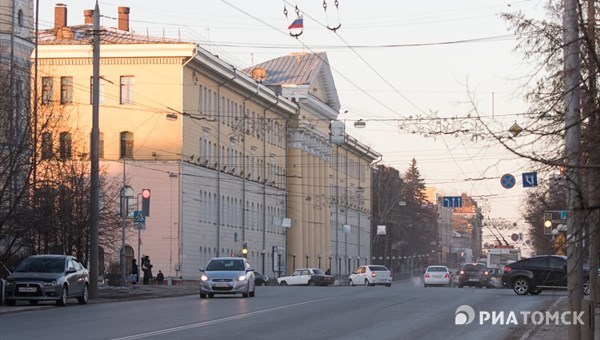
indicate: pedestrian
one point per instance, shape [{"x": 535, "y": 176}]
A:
[
  {"x": 135, "y": 274},
  {"x": 147, "y": 269},
  {"x": 160, "y": 277},
  {"x": 328, "y": 271}
]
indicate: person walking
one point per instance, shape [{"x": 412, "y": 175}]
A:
[
  {"x": 135, "y": 273},
  {"x": 147, "y": 269},
  {"x": 160, "y": 277}
]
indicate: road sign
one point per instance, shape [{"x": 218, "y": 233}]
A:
[
  {"x": 139, "y": 217},
  {"x": 508, "y": 181},
  {"x": 139, "y": 225},
  {"x": 530, "y": 179},
  {"x": 452, "y": 202}
]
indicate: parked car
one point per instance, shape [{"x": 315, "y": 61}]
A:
[
  {"x": 437, "y": 276},
  {"x": 371, "y": 275},
  {"x": 260, "y": 279},
  {"x": 48, "y": 277},
  {"x": 532, "y": 275},
  {"x": 473, "y": 275},
  {"x": 227, "y": 275},
  {"x": 306, "y": 277}
]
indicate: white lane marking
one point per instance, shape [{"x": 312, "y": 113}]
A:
[{"x": 212, "y": 322}]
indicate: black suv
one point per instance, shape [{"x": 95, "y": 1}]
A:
[{"x": 539, "y": 272}]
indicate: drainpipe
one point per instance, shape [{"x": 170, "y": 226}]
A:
[{"x": 219, "y": 159}]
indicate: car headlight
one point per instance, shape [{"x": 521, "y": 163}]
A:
[
  {"x": 204, "y": 278},
  {"x": 51, "y": 283},
  {"x": 242, "y": 278}
]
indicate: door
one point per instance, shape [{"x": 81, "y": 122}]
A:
[{"x": 557, "y": 272}]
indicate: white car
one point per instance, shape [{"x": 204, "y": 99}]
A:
[
  {"x": 227, "y": 275},
  {"x": 437, "y": 276},
  {"x": 306, "y": 277},
  {"x": 371, "y": 275}
]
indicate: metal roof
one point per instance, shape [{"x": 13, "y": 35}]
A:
[
  {"x": 82, "y": 35},
  {"x": 293, "y": 69}
]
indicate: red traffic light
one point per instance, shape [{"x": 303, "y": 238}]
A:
[{"x": 146, "y": 193}]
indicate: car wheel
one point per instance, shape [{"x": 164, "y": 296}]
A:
[
  {"x": 521, "y": 286},
  {"x": 63, "y": 297},
  {"x": 83, "y": 299},
  {"x": 351, "y": 283},
  {"x": 367, "y": 282},
  {"x": 202, "y": 296},
  {"x": 388, "y": 285},
  {"x": 11, "y": 302},
  {"x": 211, "y": 295},
  {"x": 283, "y": 283},
  {"x": 536, "y": 292},
  {"x": 33, "y": 302},
  {"x": 425, "y": 285},
  {"x": 460, "y": 286},
  {"x": 586, "y": 287},
  {"x": 312, "y": 283}
]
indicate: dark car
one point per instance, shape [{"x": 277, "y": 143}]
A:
[
  {"x": 532, "y": 275},
  {"x": 260, "y": 279},
  {"x": 48, "y": 277},
  {"x": 473, "y": 275}
]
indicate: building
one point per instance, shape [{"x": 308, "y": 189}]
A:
[{"x": 232, "y": 157}]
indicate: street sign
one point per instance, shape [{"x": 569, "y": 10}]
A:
[
  {"x": 139, "y": 217},
  {"x": 530, "y": 179},
  {"x": 452, "y": 202},
  {"x": 508, "y": 181},
  {"x": 139, "y": 225}
]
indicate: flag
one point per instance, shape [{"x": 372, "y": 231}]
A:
[{"x": 298, "y": 23}]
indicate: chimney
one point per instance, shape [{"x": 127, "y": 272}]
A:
[
  {"x": 88, "y": 16},
  {"x": 60, "y": 16},
  {"x": 124, "y": 18}
]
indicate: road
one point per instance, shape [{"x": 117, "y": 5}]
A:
[{"x": 404, "y": 311}]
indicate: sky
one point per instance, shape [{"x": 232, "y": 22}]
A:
[{"x": 396, "y": 64}]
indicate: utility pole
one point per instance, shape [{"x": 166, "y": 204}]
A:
[
  {"x": 572, "y": 65},
  {"x": 95, "y": 160}
]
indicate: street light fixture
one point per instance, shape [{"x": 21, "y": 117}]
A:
[{"x": 294, "y": 261}]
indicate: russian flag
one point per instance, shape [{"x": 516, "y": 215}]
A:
[{"x": 298, "y": 23}]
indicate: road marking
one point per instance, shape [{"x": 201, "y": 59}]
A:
[{"x": 213, "y": 322}]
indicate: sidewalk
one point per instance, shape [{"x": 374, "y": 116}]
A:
[{"x": 552, "y": 332}]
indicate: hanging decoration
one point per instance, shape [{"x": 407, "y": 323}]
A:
[
  {"x": 337, "y": 7},
  {"x": 297, "y": 24}
]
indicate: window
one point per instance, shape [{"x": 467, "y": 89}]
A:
[
  {"x": 46, "y": 145},
  {"x": 101, "y": 82},
  {"x": 127, "y": 85},
  {"x": 66, "y": 90},
  {"x": 65, "y": 145},
  {"x": 126, "y": 145},
  {"x": 20, "y": 18},
  {"x": 47, "y": 92}
]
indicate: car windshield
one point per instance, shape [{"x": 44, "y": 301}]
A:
[
  {"x": 225, "y": 265},
  {"x": 378, "y": 268},
  {"x": 318, "y": 271},
  {"x": 436, "y": 269},
  {"x": 41, "y": 265}
]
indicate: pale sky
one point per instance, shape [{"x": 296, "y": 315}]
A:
[{"x": 391, "y": 60}]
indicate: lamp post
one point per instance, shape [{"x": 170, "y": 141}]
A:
[
  {"x": 330, "y": 258},
  {"x": 294, "y": 261},
  {"x": 262, "y": 254},
  {"x": 307, "y": 256},
  {"x": 319, "y": 261}
]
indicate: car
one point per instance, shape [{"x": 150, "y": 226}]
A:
[
  {"x": 495, "y": 278},
  {"x": 371, "y": 275},
  {"x": 48, "y": 278},
  {"x": 532, "y": 275},
  {"x": 437, "y": 276},
  {"x": 227, "y": 275},
  {"x": 473, "y": 275},
  {"x": 306, "y": 277},
  {"x": 260, "y": 279}
]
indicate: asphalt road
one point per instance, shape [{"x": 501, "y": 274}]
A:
[{"x": 404, "y": 311}]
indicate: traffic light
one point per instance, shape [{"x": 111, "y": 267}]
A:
[
  {"x": 146, "y": 202},
  {"x": 548, "y": 223},
  {"x": 245, "y": 249}
]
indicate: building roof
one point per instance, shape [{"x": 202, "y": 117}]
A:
[
  {"x": 82, "y": 35},
  {"x": 293, "y": 69}
]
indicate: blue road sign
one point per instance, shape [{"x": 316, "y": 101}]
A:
[
  {"x": 452, "y": 202},
  {"x": 138, "y": 216},
  {"x": 530, "y": 179},
  {"x": 508, "y": 181},
  {"x": 563, "y": 214}
]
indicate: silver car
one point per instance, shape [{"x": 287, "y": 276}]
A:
[
  {"x": 48, "y": 277},
  {"x": 227, "y": 275}
]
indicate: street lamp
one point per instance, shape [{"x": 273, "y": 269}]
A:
[
  {"x": 319, "y": 261},
  {"x": 307, "y": 256},
  {"x": 262, "y": 253},
  {"x": 330, "y": 258},
  {"x": 294, "y": 261}
]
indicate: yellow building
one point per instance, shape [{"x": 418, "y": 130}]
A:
[{"x": 229, "y": 159}]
